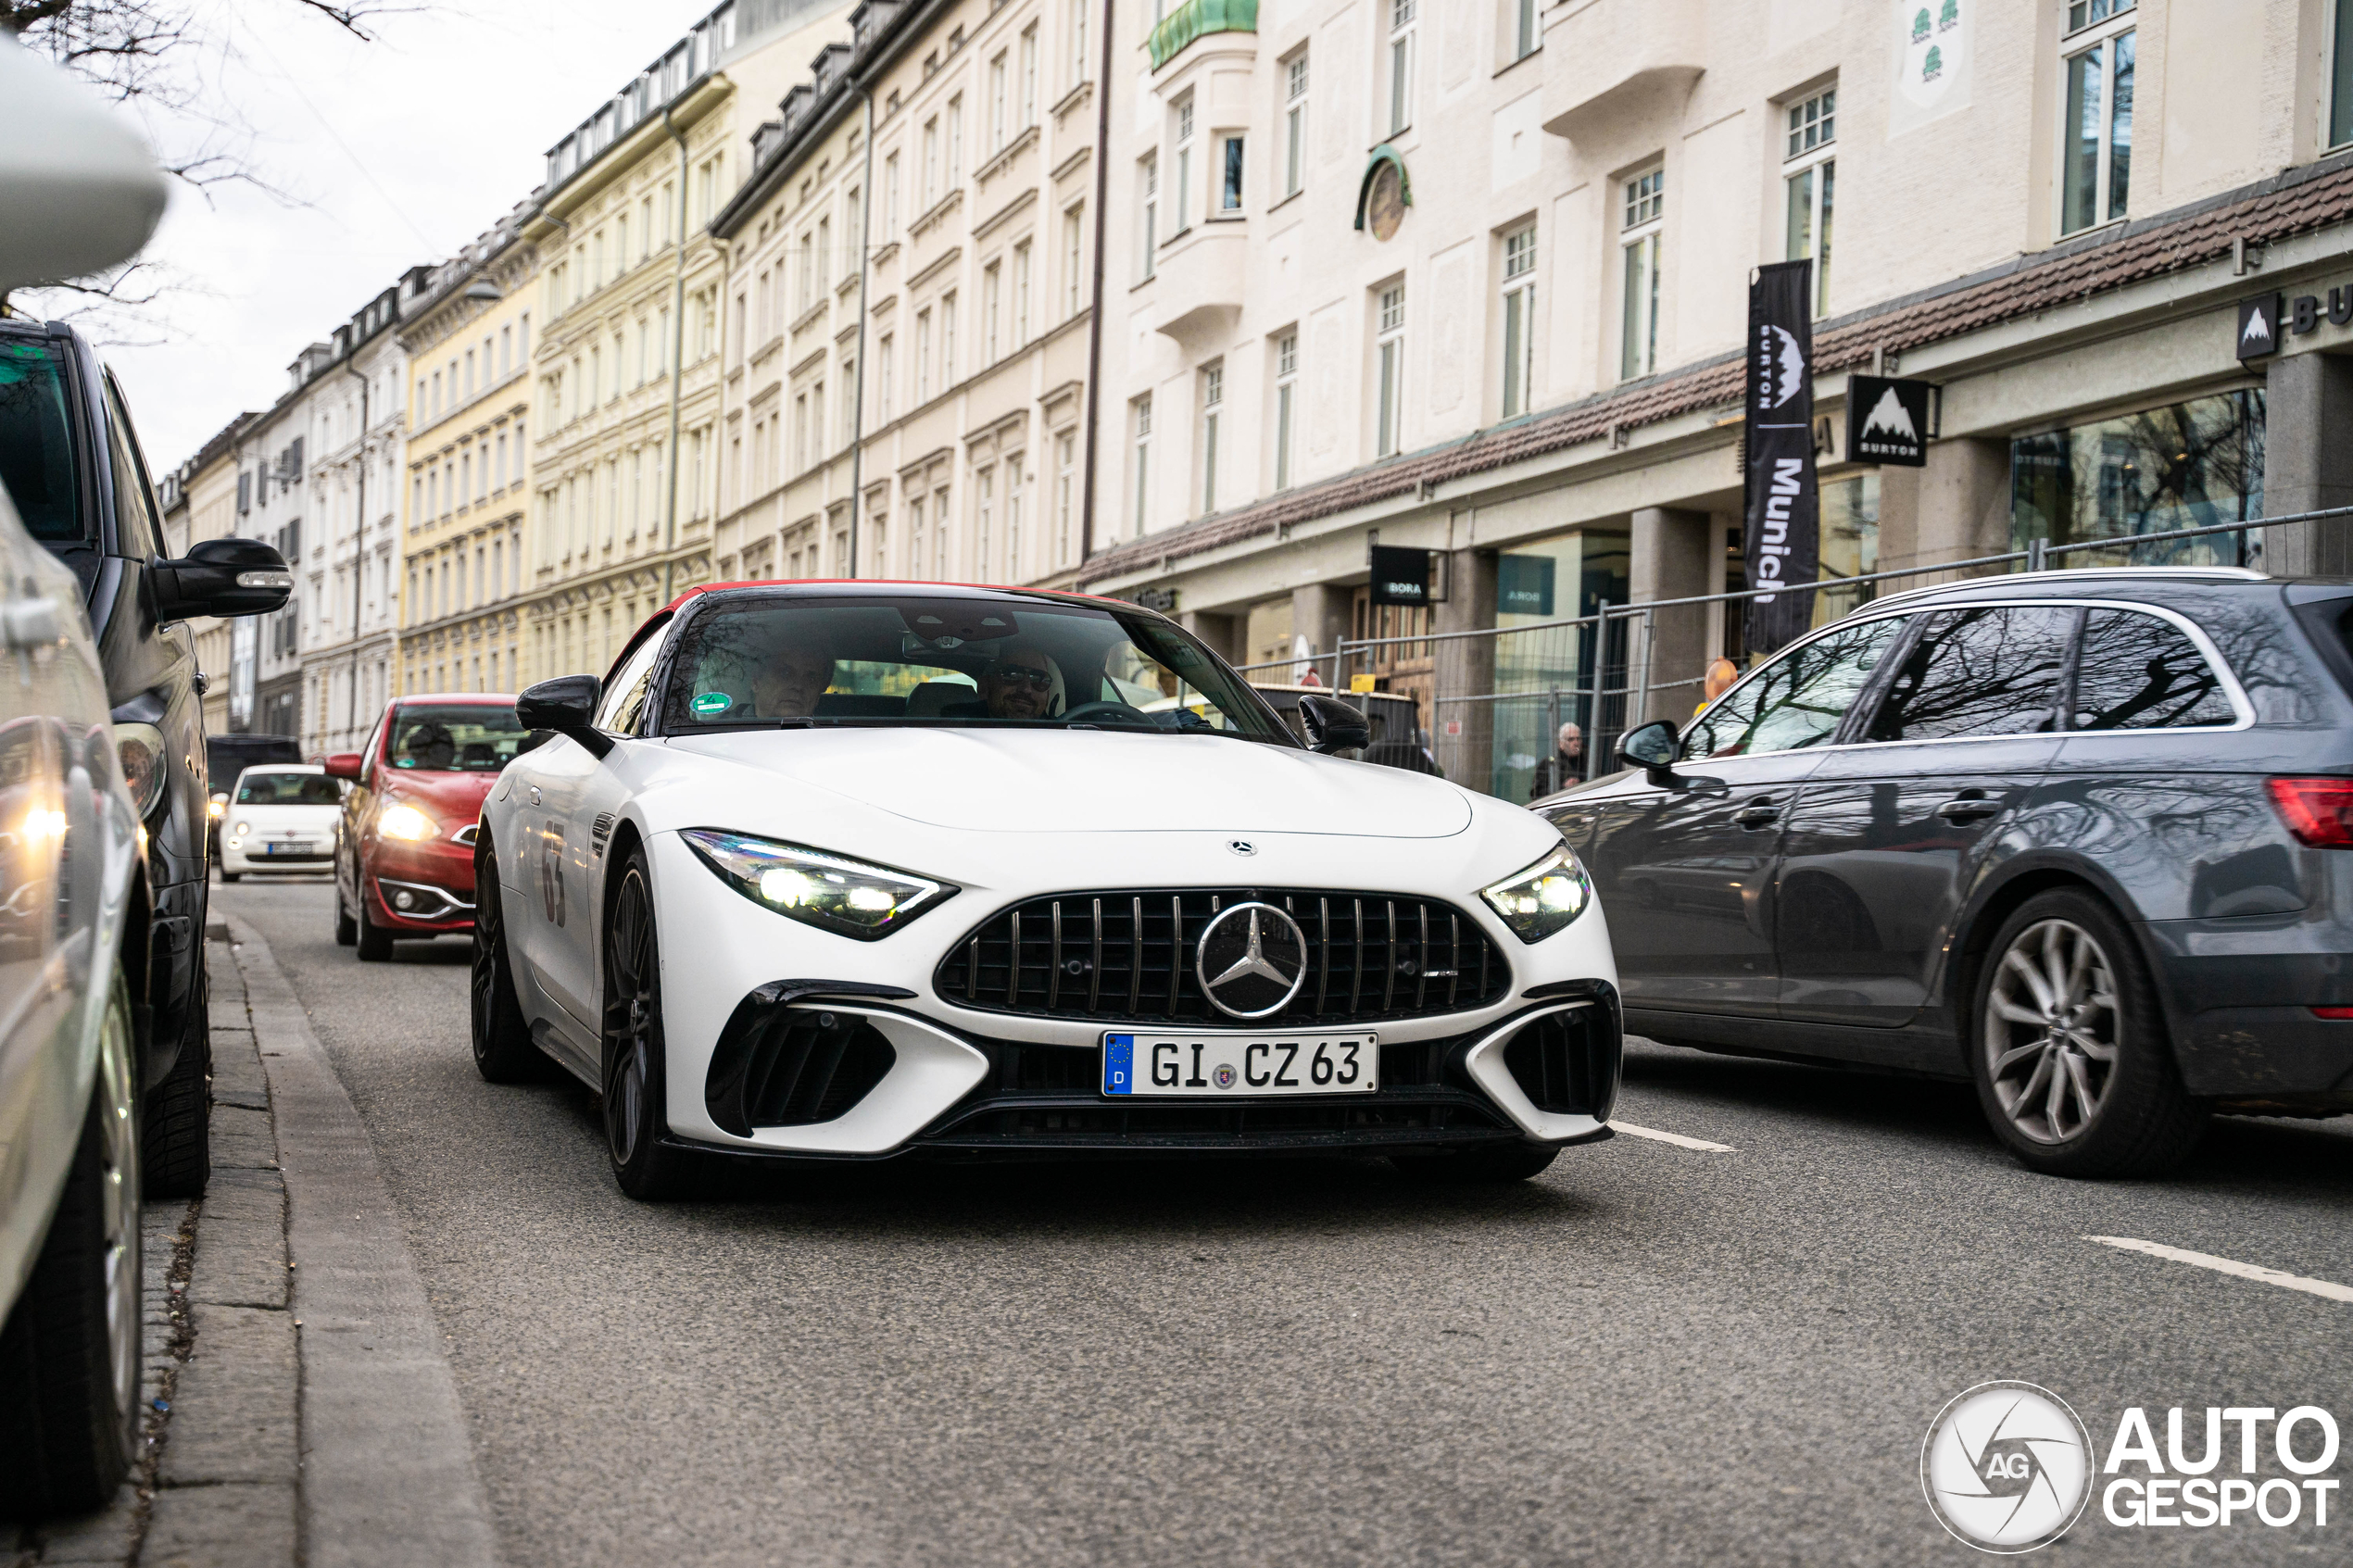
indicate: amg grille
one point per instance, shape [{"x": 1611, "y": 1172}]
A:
[{"x": 1129, "y": 954}]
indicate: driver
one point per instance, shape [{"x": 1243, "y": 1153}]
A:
[
  {"x": 789, "y": 685},
  {"x": 1025, "y": 683},
  {"x": 432, "y": 745}
]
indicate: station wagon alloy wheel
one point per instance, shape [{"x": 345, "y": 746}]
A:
[{"x": 2050, "y": 1031}]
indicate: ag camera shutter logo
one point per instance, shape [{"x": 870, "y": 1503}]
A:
[{"x": 2007, "y": 1467}]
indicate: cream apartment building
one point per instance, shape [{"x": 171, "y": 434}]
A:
[
  {"x": 199, "y": 501},
  {"x": 1473, "y": 278},
  {"x": 625, "y": 364},
  {"x": 922, "y": 415},
  {"x": 467, "y": 466}
]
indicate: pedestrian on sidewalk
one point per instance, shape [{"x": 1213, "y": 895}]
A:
[{"x": 1565, "y": 766}]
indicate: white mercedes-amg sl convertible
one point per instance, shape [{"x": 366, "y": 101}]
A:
[{"x": 853, "y": 869}]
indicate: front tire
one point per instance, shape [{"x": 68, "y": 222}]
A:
[
  {"x": 503, "y": 1050},
  {"x": 232, "y": 876},
  {"x": 375, "y": 942},
  {"x": 175, "y": 1135},
  {"x": 69, "y": 1351},
  {"x": 636, "y": 1115},
  {"x": 1502, "y": 1162},
  {"x": 2068, "y": 1048},
  {"x": 347, "y": 928}
]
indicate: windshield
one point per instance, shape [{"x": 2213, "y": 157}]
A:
[
  {"x": 472, "y": 738},
  {"x": 769, "y": 660},
  {"x": 36, "y": 439},
  {"x": 288, "y": 789}
]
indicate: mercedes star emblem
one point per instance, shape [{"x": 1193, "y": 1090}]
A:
[
  {"x": 1251, "y": 961},
  {"x": 1242, "y": 846}
]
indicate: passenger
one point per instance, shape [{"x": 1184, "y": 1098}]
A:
[
  {"x": 789, "y": 683},
  {"x": 1025, "y": 683}
]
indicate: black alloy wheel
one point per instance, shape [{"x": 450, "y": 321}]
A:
[
  {"x": 636, "y": 1119},
  {"x": 70, "y": 1352},
  {"x": 2072, "y": 1063},
  {"x": 503, "y": 1050},
  {"x": 175, "y": 1134},
  {"x": 1499, "y": 1162}
]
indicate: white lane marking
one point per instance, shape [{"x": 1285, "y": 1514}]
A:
[
  {"x": 2334, "y": 1292},
  {"x": 1678, "y": 1139}
]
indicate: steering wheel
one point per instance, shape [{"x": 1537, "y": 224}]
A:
[{"x": 1089, "y": 709}]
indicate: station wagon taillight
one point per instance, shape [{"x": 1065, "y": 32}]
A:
[{"x": 2318, "y": 812}]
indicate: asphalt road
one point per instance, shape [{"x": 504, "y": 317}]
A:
[{"x": 1650, "y": 1354}]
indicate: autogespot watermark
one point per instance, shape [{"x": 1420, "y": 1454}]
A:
[{"x": 2009, "y": 1467}]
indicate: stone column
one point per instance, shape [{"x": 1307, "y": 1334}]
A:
[
  {"x": 1461, "y": 733},
  {"x": 1672, "y": 557},
  {"x": 2308, "y": 464},
  {"x": 1957, "y": 508},
  {"x": 1319, "y": 612},
  {"x": 1221, "y": 632}
]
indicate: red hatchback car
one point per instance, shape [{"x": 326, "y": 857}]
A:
[{"x": 405, "y": 858}]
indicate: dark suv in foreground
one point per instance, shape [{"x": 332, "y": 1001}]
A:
[{"x": 2078, "y": 836}]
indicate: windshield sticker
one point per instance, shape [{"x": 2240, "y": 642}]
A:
[{"x": 713, "y": 702}]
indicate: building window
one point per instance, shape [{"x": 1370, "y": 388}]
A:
[
  {"x": 1639, "y": 241},
  {"x": 891, "y": 198},
  {"x": 1809, "y": 180},
  {"x": 940, "y": 518},
  {"x": 1073, "y": 261},
  {"x": 997, "y": 102},
  {"x": 1079, "y": 41},
  {"x": 2341, "y": 75},
  {"x": 1184, "y": 166},
  {"x": 1149, "y": 175},
  {"x": 1213, "y": 407},
  {"x": 922, "y": 358},
  {"x": 882, "y": 380},
  {"x": 985, "y": 489},
  {"x": 1285, "y": 397},
  {"x": 1526, "y": 35},
  {"x": 1013, "y": 497},
  {"x": 1065, "y": 484},
  {"x": 916, "y": 536},
  {"x": 1520, "y": 320},
  {"x": 1295, "y": 124},
  {"x": 1229, "y": 177},
  {"x": 1142, "y": 421},
  {"x": 931, "y": 162},
  {"x": 990, "y": 307},
  {"x": 1401, "y": 64},
  {"x": 955, "y": 140},
  {"x": 1021, "y": 295},
  {"x": 1029, "y": 76},
  {"x": 947, "y": 340},
  {"x": 2183, "y": 465},
  {"x": 2096, "y": 155},
  {"x": 1390, "y": 340}
]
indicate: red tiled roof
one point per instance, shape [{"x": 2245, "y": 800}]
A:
[{"x": 2316, "y": 196}]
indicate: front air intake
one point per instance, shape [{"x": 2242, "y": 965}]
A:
[
  {"x": 1567, "y": 1062},
  {"x": 792, "y": 1066}
]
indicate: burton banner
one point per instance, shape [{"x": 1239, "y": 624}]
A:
[{"x": 1783, "y": 505}]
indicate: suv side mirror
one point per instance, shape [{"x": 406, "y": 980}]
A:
[
  {"x": 568, "y": 706},
  {"x": 223, "y": 577},
  {"x": 1333, "y": 726},
  {"x": 345, "y": 765},
  {"x": 1654, "y": 747}
]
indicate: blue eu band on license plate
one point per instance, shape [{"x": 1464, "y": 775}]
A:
[{"x": 1212, "y": 1064}]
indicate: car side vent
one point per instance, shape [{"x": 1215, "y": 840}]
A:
[
  {"x": 794, "y": 1066},
  {"x": 1564, "y": 1061}
]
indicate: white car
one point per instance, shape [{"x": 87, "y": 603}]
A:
[
  {"x": 847, "y": 870},
  {"x": 282, "y": 817}
]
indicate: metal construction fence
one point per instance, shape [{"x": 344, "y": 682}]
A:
[{"x": 1493, "y": 699}]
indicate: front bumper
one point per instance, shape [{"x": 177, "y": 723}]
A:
[
  {"x": 437, "y": 878},
  {"x": 870, "y": 1062}
]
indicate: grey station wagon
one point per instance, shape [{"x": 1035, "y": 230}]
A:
[{"x": 2078, "y": 836}]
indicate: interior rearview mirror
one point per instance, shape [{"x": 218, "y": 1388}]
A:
[
  {"x": 223, "y": 577},
  {"x": 566, "y": 705},
  {"x": 1332, "y": 725},
  {"x": 1654, "y": 747}
]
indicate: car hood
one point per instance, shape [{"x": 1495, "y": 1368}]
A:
[
  {"x": 452, "y": 800},
  {"x": 1099, "y": 781}
]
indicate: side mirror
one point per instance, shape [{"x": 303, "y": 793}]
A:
[
  {"x": 568, "y": 706},
  {"x": 223, "y": 577},
  {"x": 345, "y": 765},
  {"x": 1654, "y": 747},
  {"x": 1332, "y": 725}
]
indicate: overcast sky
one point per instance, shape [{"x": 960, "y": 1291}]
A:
[{"x": 402, "y": 150}]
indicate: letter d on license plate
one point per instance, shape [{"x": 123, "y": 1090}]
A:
[{"x": 1241, "y": 1065}]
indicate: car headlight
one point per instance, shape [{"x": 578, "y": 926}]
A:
[
  {"x": 406, "y": 821},
  {"x": 241, "y": 830},
  {"x": 1544, "y": 898},
  {"x": 847, "y": 897},
  {"x": 217, "y": 806},
  {"x": 141, "y": 748}
]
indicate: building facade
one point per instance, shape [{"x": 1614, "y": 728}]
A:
[
  {"x": 1473, "y": 278},
  {"x": 467, "y": 342},
  {"x": 200, "y": 504},
  {"x": 910, "y": 300},
  {"x": 626, "y": 363}
]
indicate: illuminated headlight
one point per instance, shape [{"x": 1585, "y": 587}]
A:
[
  {"x": 406, "y": 821},
  {"x": 847, "y": 897},
  {"x": 141, "y": 750},
  {"x": 242, "y": 829},
  {"x": 217, "y": 806},
  {"x": 1544, "y": 898}
]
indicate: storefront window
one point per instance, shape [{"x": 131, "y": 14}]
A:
[
  {"x": 1548, "y": 669},
  {"x": 2185, "y": 465},
  {"x": 1850, "y": 544}
]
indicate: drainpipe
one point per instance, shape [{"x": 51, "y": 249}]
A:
[
  {"x": 677, "y": 367},
  {"x": 358, "y": 537},
  {"x": 857, "y": 415},
  {"x": 1095, "y": 306}
]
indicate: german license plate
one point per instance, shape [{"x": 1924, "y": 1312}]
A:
[
  {"x": 1207, "y": 1066},
  {"x": 297, "y": 847}
]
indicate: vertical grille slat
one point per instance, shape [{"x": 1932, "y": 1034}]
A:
[{"x": 1165, "y": 926}]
